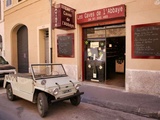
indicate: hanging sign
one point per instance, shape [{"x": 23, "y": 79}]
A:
[
  {"x": 102, "y": 14},
  {"x": 63, "y": 17}
]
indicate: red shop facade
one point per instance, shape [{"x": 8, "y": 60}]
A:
[{"x": 103, "y": 45}]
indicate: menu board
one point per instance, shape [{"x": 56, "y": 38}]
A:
[
  {"x": 146, "y": 41},
  {"x": 65, "y": 45}
]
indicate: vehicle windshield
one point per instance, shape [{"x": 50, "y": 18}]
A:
[{"x": 41, "y": 71}]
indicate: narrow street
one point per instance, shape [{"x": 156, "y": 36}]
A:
[{"x": 23, "y": 110}]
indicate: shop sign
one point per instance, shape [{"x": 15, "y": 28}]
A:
[
  {"x": 63, "y": 17},
  {"x": 102, "y": 14}
]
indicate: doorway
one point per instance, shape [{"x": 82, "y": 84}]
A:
[
  {"x": 44, "y": 53},
  {"x": 46, "y": 39},
  {"x": 22, "y": 50},
  {"x": 104, "y": 55},
  {"x": 115, "y": 61}
]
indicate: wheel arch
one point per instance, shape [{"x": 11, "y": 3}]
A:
[
  {"x": 36, "y": 92},
  {"x": 5, "y": 85}
]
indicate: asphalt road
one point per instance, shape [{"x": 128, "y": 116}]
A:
[{"x": 25, "y": 110}]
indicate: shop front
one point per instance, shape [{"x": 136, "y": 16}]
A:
[
  {"x": 103, "y": 43},
  {"x": 97, "y": 41}
]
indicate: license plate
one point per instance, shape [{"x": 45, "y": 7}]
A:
[{"x": 66, "y": 91}]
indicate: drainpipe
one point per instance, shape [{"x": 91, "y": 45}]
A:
[{"x": 51, "y": 50}]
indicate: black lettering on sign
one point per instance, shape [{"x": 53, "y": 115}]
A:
[
  {"x": 65, "y": 45},
  {"x": 146, "y": 41}
]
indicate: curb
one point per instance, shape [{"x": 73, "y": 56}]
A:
[{"x": 124, "y": 108}]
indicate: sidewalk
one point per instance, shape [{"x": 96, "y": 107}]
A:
[{"x": 119, "y": 99}]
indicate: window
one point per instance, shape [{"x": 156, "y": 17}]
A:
[
  {"x": 8, "y": 2},
  {"x": 19, "y": 0}
]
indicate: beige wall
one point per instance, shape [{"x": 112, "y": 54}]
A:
[
  {"x": 137, "y": 12},
  {"x": 142, "y": 75},
  {"x": 35, "y": 14},
  {"x": 141, "y": 12},
  {"x": 30, "y": 14}
]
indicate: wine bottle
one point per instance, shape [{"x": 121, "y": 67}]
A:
[{"x": 94, "y": 72}]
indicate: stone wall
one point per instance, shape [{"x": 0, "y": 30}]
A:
[{"x": 143, "y": 81}]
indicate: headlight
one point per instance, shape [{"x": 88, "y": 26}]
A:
[
  {"x": 55, "y": 91},
  {"x": 77, "y": 86}
]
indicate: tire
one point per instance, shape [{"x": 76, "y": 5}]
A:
[
  {"x": 9, "y": 92},
  {"x": 42, "y": 104},
  {"x": 75, "y": 100}
]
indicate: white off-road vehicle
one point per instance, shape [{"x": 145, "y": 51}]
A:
[{"x": 45, "y": 84}]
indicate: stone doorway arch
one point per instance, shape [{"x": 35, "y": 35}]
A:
[{"x": 19, "y": 46}]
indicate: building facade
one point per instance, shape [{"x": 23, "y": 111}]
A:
[{"x": 98, "y": 41}]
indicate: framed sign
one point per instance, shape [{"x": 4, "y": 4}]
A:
[
  {"x": 146, "y": 41},
  {"x": 63, "y": 17},
  {"x": 65, "y": 45},
  {"x": 102, "y": 14}
]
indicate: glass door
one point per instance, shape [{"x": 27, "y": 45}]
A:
[{"x": 95, "y": 54}]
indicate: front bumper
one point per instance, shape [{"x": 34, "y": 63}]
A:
[{"x": 68, "y": 97}]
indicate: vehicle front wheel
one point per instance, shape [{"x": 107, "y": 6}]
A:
[
  {"x": 75, "y": 100},
  {"x": 42, "y": 104},
  {"x": 9, "y": 92}
]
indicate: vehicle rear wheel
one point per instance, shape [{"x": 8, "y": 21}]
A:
[
  {"x": 42, "y": 104},
  {"x": 75, "y": 100},
  {"x": 9, "y": 92}
]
